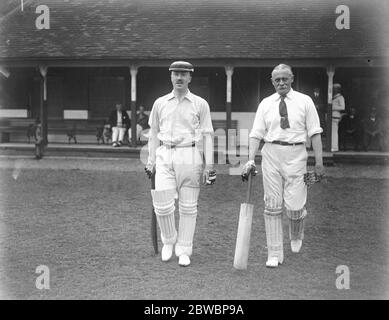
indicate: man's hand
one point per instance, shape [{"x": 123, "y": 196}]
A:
[
  {"x": 150, "y": 169},
  {"x": 319, "y": 170},
  {"x": 209, "y": 176},
  {"x": 248, "y": 168}
]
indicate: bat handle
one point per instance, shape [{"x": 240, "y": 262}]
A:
[{"x": 250, "y": 184}]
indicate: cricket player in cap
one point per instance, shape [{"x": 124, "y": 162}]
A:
[
  {"x": 284, "y": 120},
  {"x": 180, "y": 139}
]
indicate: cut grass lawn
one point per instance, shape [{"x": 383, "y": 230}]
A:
[{"x": 92, "y": 229}]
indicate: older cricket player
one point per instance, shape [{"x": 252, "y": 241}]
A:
[
  {"x": 180, "y": 139},
  {"x": 284, "y": 120}
]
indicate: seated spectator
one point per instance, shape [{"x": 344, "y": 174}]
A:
[
  {"x": 350, "y": 126},
  {"x": 142, "y": 124},
  {"x": 372, "y": 129},
  {"x": 119, "y": 122}
]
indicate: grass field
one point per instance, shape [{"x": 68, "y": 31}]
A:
[{"x": 90, "y": 224}]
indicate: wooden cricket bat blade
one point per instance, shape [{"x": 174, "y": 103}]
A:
[
  {"x": 154, "y": 234},
  {"x": 243, "y": 237}
]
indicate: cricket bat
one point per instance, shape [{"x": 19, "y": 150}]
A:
[
  {"x": 244, "y": 231},
  {"x": 153, "y": 230}
]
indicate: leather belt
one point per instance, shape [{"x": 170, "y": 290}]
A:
[
  {"x": 283, "y": 143},
  {"x": 172, "y": 146}
]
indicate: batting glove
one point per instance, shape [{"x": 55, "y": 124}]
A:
[
  {"x": 311, "y": 177},
  {"x": 150, "y": 170},
  {"x": 248, "y": 168},
  {"x": 209, "y": 176}
]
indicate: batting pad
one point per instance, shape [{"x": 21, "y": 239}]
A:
[
  {"x": 296, "y": 223},
  {"x": 273, "y": 227},
  {"x": 163, "y": 202},
  {"x": 188, "y": 213}
]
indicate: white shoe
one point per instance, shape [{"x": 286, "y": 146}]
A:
[
  {"x": 184, "y": 260},
  {"x": 296, "y": 245},
  {"x": 272, "y": 262},
  {"x": 167, "y": 252}
]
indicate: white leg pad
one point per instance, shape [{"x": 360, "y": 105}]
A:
[
  {"x": 273, "y": 227},
  {"x": 296, "y": 223},
  {"x": 163, "y": 202},
  {"x": 188, "y": 213}
]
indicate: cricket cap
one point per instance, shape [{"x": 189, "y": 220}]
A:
[{"x": 181, "y": 66}]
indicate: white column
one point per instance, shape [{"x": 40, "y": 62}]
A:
[
  {"x": 229, "y": 73},
  {"x": 330, "y": 74},
  {"x": 133, "y": 72}
]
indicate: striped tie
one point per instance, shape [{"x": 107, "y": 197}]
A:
[{"x": 283, "y": 114}]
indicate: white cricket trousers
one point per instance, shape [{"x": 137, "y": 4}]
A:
[
  {"x": 139, "y": 130},
  {"x": 118, "y": 134},
  {"x": 283, "y": 169},
  {"x": 178, "y": 173},
  {"x": 334, "y": 135}
]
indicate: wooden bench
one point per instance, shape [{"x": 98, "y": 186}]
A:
[
  {"x": 68, "y": 128},
  {"x": 80, "y": 126},
  {"x": 71, "y": 128},
  {"x": 16, "y": 125}
]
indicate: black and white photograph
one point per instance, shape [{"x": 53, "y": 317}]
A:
[{"x": 194, "y": 155}]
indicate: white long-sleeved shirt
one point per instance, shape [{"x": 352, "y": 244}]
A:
[
  {"x": 303, "y": 119},
  {"x": 338, "y": 105},
  {"x": 182, "y": 122}
]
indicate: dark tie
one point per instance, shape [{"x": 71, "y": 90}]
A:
[{"x": 283, "y": 114}]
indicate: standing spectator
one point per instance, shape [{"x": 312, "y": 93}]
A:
[
  {"x": 338, "y": 105},
  {"x": 142, "y": 124},
  {"x": 38, "y": 139},
  {"x": 119, "y": 122},
  {"x": 372, "y": 129},
  {"x": 350, "y": 125}
]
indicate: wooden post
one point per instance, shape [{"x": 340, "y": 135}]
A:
[
  {"x": 43, "y": 103},
  {"x": 259, "y": 86},
  {"x": 330, "y": 73},
  {"x": 297, "y": 79},
  {"x": 134, "y": 72},
  {"x": 229, "y": 73}
]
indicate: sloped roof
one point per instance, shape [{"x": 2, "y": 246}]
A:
[{"x": 195, "y": 29}]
